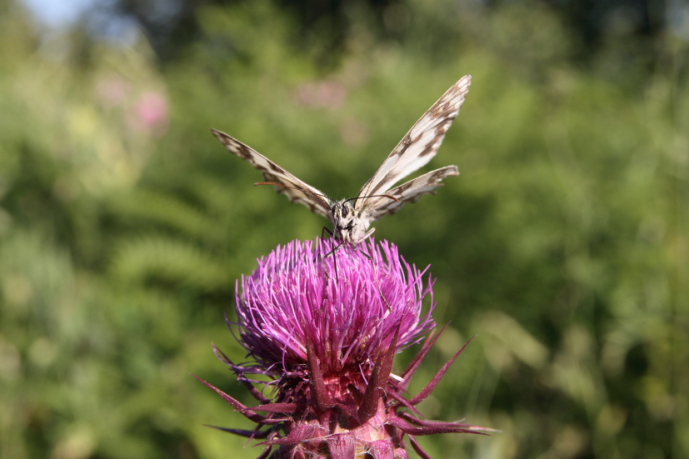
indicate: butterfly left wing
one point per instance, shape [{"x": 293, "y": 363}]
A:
[
  {"x": 296, "y": 190},
  {"x": 418, "y": 147},
  {"x": 410, "y": 191}
]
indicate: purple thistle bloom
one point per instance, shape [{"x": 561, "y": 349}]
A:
[{"x": 325, "y": 327}]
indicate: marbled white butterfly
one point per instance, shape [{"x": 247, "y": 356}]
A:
[{"x": 352, "y": 218}]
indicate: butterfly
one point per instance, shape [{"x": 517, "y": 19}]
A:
[{"x": 352, "y": 218}]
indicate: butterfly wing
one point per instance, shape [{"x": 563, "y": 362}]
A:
[
  {"x": 410, "y": 191},
  {"x": 416, "y": 148},
  {"x": 286, "y": 183}
]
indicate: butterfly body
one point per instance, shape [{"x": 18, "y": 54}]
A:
[
  {"x": 352, "y": 218},
  {"x": 349, "y": 223}
]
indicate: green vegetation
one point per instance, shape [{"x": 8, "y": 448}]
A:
[{"x": 564, "y": 244}]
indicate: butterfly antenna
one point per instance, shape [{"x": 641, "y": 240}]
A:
[{"x": 374, "y": 196}]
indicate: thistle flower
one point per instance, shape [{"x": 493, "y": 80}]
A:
[{"x": 324, "y": 325}]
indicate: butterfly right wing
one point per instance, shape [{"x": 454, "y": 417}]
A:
[
  {"x": 419, "y": 145},
  {"x": 410, "y": 191},
  {"x": 287, "y": 184}
]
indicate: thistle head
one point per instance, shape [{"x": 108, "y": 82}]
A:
[{"x": 324, "y": 322}]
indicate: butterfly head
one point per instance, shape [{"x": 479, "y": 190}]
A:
[{"x": 349, "y": 224}]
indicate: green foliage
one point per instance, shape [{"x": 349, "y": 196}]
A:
[{"x": 124, "y": 224}]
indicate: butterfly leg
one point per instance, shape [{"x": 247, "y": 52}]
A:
[
  {"x": 337, "y": 248},
  {"x": 368, "y": 234},
  {"x": 326, "y": 230},
  {"x": 330, "y": 233},
  {"x": 334, "y": 250}
]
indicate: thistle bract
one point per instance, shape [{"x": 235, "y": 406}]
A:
[{"x": 324, "y": 322}]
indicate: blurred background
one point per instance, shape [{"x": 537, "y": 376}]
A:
[{"x": 564, "y": 244}]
